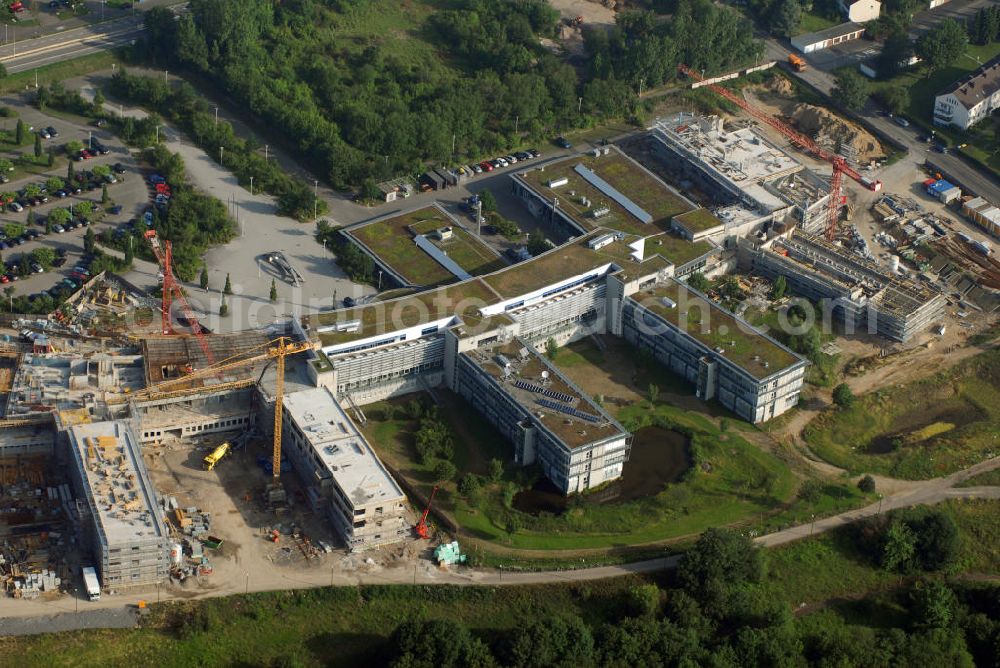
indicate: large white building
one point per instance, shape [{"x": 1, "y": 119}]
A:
[
  {"x": 344, "y": 478},
  {"x": 480, "y": 338},
  {"x": 971, "y": 99}
]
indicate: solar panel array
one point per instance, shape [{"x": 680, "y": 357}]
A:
[
  {"x": 530, "y": 387},
  {"x": 552, "y": 394},
  {"x": 568, "y": 410}
]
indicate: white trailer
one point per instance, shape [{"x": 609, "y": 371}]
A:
[{"x": 92, "y": 583}]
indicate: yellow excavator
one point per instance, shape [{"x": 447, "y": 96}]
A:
[{"x": 213, "y": 458}]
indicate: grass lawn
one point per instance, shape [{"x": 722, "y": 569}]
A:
[
  {"x": 923, "y": 88},
  {"x": 990, "y": 478},
  {"x": 60, "y": 71},
  {"x": 831, "y": 566},
  {"x": 811, "y": 22},
  {"x": 921, "y": 430}
]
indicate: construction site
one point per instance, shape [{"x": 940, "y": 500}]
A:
[{"x": 156, "y": 461}]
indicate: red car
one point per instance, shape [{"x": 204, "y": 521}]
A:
[
  {"x": 4, "y": 279},
  {"x": 487, "y": 167}
]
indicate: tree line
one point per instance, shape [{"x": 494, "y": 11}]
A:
[
  {"x": 474, "y": 80},
  {"x": 718, "y": 612}
]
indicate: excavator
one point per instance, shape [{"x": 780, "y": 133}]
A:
[{"x": 420, "y": 528}]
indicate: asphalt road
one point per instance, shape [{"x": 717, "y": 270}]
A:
[{"x": 66, "y": 45}]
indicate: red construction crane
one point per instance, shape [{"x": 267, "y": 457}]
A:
[
  {"x": 164, "y": 257},
  {"x": 421, "y": 526},
  {"x": 839, "y": 163}
]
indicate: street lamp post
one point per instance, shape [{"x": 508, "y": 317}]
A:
[
  {"x": 315, "y": 198},
  {"x": 216, "y": 115},
  {"x": 251, "y": 186},
  {"x": 379, "y": 285},
  {"x": 221, "y": 150},
  {"x": 265, "y": 152}
]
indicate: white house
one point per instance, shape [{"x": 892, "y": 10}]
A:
[
  {"x": 860, "y": 11},
  {"x": 970, "y": 100}
]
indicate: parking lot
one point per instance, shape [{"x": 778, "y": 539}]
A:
[{"x": 128, "y": 192}]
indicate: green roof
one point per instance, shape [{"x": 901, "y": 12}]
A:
[
  {"x": 717, "y": 328},
  {"x": 678, "y": 250},
  {"x": 622, "y": 173},
  {"x": 567, "y": 260},
  {"x": 392, "y": 241},
  {"x": 698, "y": 220}
]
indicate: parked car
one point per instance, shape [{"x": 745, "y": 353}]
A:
[
  {"x": 58, "y": 229},
  {"x": 478, "y": 169},
  {"x": 118, "y": 168},
  {"x": 562, "y": 142},
  {"x": 100, "y": 122},
  {"x": 901, "y": 121},
  {"x": 16, "y": 207},
  {"x": 44, "y": 134},
  {"x": 52, "y": 131}
]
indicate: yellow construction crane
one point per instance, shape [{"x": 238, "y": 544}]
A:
[{"x": 278, "y": 349}]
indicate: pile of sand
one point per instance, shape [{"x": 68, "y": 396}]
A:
[
  {"x": 780, "y": 86},
  {"x": 835, "y": 133}
]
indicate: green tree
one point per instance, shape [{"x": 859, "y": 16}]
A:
[
  {"x": 468, "y": 485},
  {"x": 8, "y": 292},
  {"x": 897, "y": 50},
  {"x": 444, "y": 471},
  {"x": 98, "y": 98},
  {"x": 537, "y": 243},
  {"x": 715, "y": 569},
  {"x": 779, "y": 288},
  {"x": 89, "y": 243},
  {"x": 19, "y": 132},
  {"x": 228, "y": 289},
  {"x": 59, "y": 216},
  {"x": 942, "y": 45},
  {"x": 851, "y": 90},
  {"x": 643, "y": 600},
  {"x": 105, "y": 198},
  {"x": 895, "y": 98},
  {"x": 54, "y": 183},
  {"x": 369, "y": 191},
  {"x": 551, "y": 348},
  {"x": 496, "y": 470},
  {"x": 50, "y": 158},
  {"x": 32, "y": 218},
  {"x": 70, "y": 173},
  {"x": 488, "y": 200},
  {"x": 203, "y": 279},
  {"x": 867, "y": 484},
  {"x": 83, "y": 209},
  {"x": 899, "y": 545},
  {"x": 934, "y": 604},
  {"x": 785, "y": 17},
  {"x": 440, "y": 643},
  {"x": 654, "y": 393},
  {"x": 546, "y": 642},
  {"x": 274, "y": 291},
  {"x": 44, "y": 256},
  {"x": 38, "y": 145},
  {"x": 698, "y": 282},
  {"x": 223, "y": 309},
  {"x": 842, "y": 396}
]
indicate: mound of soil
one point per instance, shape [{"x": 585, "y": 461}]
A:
[{"x": 832, "y": 131}]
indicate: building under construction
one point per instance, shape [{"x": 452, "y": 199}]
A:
[
  {"x": 123, "y": 524},
  {"x": 861, "y": 293},
  {"x": 753, "y": 182}
]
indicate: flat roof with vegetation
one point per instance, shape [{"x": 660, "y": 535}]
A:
[
  {"x": 717, "y": 328},
  {"x": 392, "y": 240},
  {"x": 698, "y": 220},
  {"x": 466, "y": 298},
  {"x": 678, "y": 250},
  {"x": 624, "y": 175}
]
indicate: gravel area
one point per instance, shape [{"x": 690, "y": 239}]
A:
[{"x": 101, "y": 618}]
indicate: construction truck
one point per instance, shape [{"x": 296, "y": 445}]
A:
[
  {"x": 92, "y": 584},
  {"x": 212, "y": 458},
  {"x": 797, "y": 63}
]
